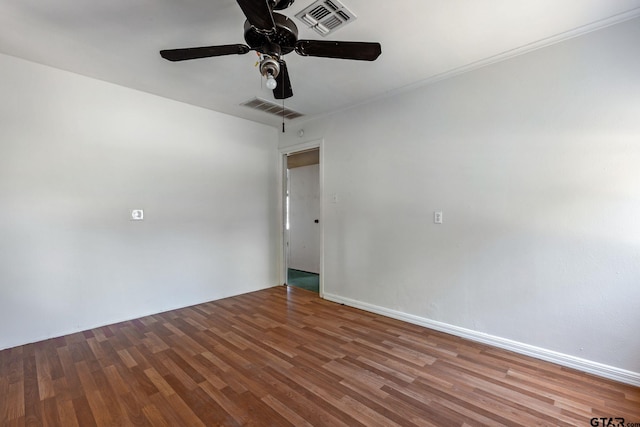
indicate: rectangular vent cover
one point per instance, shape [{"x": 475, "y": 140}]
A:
[
  {"x": 326, "y": 16},
  {"x": 271, "y": 108}
]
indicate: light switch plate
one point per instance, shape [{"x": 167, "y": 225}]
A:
[
  {"x": 437, "y": 217},
  {"x": 137, "y": 215}
]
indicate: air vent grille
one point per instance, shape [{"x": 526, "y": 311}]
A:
[
  {"x": 326, "y": 16},
  {"x": 271, "y": 108},
  {"x": 319, "y": 12},
  {"x": 332, "y": 23},
  {"x": 332, "y": 5}
]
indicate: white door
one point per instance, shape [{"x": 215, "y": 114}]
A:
[{"x": 304, "y": 215}]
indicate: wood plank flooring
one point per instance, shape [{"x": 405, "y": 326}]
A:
[{"x": 282, "y": 357}]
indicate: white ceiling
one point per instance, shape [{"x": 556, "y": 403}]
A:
[{"x": 422, "y": 40}]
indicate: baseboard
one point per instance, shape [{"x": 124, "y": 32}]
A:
[{"x": 588, "y": 366}]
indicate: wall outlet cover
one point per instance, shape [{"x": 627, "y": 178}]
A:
[{"x": 137, "y": 215}]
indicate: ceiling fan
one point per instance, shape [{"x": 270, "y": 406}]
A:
[{"x": 274, "y": 35}]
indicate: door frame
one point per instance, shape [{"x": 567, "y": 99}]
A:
[{"x": 282, "y": 184}]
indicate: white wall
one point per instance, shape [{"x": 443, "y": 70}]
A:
[
  {"x": 535, "y": 162},
  {"x": 76, "y": 155},
  {"x": 304, "y": 209}
]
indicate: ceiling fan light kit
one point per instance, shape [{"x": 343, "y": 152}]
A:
[
  {"x": 274, "y": 35},
  {"x": 269, "y": 67}
]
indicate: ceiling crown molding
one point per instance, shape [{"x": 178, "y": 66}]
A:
[{"x": 503, "y": 56}]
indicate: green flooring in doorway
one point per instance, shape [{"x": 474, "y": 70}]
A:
[{"x": 303, "y": 279}]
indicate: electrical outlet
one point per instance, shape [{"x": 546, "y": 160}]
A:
[
  {"x": 137, "y": 215},
  {"x": 437, "y": 217}
]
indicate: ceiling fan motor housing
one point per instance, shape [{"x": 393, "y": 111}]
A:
[{"x": 285, "y": 36}]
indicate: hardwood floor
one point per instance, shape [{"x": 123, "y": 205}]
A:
[{"x": 283, "y": 356}]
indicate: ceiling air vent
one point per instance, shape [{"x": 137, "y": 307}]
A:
[
  {"x": 326, "y": 16},
  {"x": 271, "y": 108}
]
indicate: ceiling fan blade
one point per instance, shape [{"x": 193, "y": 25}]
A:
[
  {"x": 284, "y": 89},
  {"x": 361, "y": 51},
  {"x": 258, "y": 14},
  {"x": 204, "y": 52}
]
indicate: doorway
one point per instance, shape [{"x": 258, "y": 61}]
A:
[{"x": 302, "y": 219}]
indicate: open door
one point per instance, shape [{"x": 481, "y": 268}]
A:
[{"x": 302, "y": 211}]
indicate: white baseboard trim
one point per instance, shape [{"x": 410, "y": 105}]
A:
[{"x": 584, "y": 365}]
